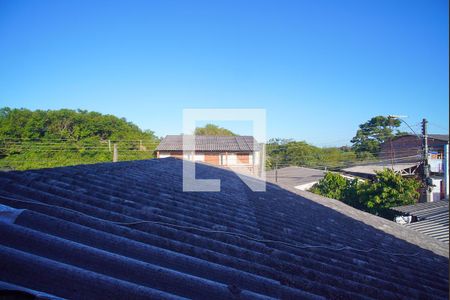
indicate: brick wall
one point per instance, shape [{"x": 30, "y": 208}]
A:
[{"x": 408, "y": 145}]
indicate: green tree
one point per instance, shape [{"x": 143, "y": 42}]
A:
[
  {"x": 299, "y": 153},
  {"x": 276, "y": 150},
  {"x": 372, "y": 134},
  {"x": 332, "y": 186},
  {"x": 387, "y": 190},
  {"x": 211, "y": 129}
]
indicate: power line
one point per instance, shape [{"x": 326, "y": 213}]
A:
[
  {"x": 439, "y": 126},
  {"x": 409, "y": 127},
  {"x": 288, "y": 156},
  {"x": 358, "y": 162},
  {"x": 75, "y": 140},
  {"x": 299, "y": 155}
]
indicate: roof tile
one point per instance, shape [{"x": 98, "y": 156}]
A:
[{"x": 210, "y": 143}]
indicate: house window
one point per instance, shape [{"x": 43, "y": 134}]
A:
[
  {"x": 212, "y": 158},
  {"x": 243, "y": 158}
]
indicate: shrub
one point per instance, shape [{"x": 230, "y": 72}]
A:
[{"x": 387, "y": 190}]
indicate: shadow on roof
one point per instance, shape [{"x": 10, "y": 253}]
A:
[{"x": 127, "y": 229}]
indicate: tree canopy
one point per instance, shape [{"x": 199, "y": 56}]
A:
[
  {"x": 387, "y": 190},
  {"x": 283, "y": 152},
  {"x": 211, "y": 129},
  {"x": 373, "y": 133},
  {"x": 49, "y": 138}
]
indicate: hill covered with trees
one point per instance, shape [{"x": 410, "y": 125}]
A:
[{"x": 48, "y": 138}]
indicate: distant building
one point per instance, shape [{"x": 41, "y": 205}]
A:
[
  {"x": 369, "y": 170},
  {"x": 404, "y": 155},
  {"x": 408, "y": 149},
  {"x": 297, "y": 177},
  {"x": 231, "y": 151}
]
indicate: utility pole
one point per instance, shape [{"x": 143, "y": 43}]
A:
[
  {"x": 390, "y": 119},
  {"x": 446, "y": 179},
  {"x": 392, "y": 153},
  {"x": 426, "y": 166},
  {"x": 115, "y": 153},
  {"x": 262, "y": 160},
  {"x": 276, "y": 170}
]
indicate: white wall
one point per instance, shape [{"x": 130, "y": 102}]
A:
[
  {"x": 199, "y": 157},
  {"x": 436, "y": 165},
  {"x": 232, "y": 159},
  {"x": 194, "y": 157},
  {"x": 257, "y": 158},
  {"x": 436, "y": 190}
]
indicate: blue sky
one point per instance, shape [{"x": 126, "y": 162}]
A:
[{"x": 320, "y": 68}]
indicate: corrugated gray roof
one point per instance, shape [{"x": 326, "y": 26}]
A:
[
  {"x": 128, "y": 231},
  {"x": 441, "y": 137},
  {"x": 433, "y": 218},
  {"x": 294, "y": 176},
  {"x": 209, "y": 143},
  {"x": 372, "y": 169}
]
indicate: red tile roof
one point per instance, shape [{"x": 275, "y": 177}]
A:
[{"x": 210, "y": 143}]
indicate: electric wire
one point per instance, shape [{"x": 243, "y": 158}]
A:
[{"x": 239, "y": 235}]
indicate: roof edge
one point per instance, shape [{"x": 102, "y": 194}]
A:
[{"x": 398, "y": 231}]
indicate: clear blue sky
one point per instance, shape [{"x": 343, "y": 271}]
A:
[{"x": 320, "y": 68}]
